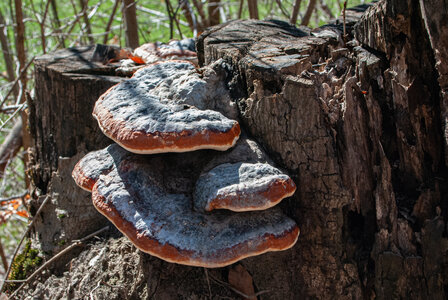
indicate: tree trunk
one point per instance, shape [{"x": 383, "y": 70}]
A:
[
  {"x": 359, "y": 128},
  {"x": 130, "y": 23}
]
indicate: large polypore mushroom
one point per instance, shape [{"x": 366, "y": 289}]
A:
[
  {"x": 242, "y": 187},
  {"x": 178, "y": 207},
  {"x": 133, "y": 192},
  {"x": 143, "y": 121}
]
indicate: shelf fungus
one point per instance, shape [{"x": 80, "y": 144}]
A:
[
  {"x": 199, "y": 208},
  {"x": 242, "y": 187},
  {"x": 138, "y": 117},
  {"x": 153, "y": 52},
  {"x": 136, "y": 194}
]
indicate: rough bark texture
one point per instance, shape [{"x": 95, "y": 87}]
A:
[
  {"x": 358, "y": 125},
  {"x": 63, "y": 129}
]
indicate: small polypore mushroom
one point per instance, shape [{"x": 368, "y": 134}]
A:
[
  {"x": 141, "y": 121},
  {"x": 242, "y": 187},
  {"x": 131, "y": 191},
  {"x": 154, "y": 52}
]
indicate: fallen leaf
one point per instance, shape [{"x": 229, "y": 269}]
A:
[{"x": 240, "y": 279}]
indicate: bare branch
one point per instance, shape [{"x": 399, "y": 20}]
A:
[
  {"x": 109, "y": 22},
  {"x": 6, "y": 51},
  {"x": 199, "y": 7},
  {"x": 309, "y": 12},
  {"x": 240, "y": 9},
  {"x": 58, "y": 23},
  {"x": 42, "y": 27},
  {"x": 22, "y": 72},
  {"x": 343, "y": 16},
  {"x": 51, "y": 260},
  {"x": 20, "y": 109},
  {"x": 189, "y": 16},
  {"x": 20, "y": 38},
  {"x": 282, "y": 9},
  {"x": 326, "y": 9},
  {"x": 84, "y": 7},
  {"x": 3, "y": 257},
  {"x": 295, "y": 12},
  {"x": 213, "y": 12},
  {"x": 171, "y": 17},
  {"x": 21, "y": 196},
  {"x": 253, "y": 9},
  {"x": 130, "y": 24}
]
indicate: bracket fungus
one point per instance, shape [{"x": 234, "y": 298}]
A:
[
  {"x": 154, "y": 52},
  {"x": 132, "y": 192},
  {"x": 199, "y": 208},
  {"x": 136, "y": 118},
  {"x": 242, "y": 187}
]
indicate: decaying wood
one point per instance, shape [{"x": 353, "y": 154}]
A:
[
  {"x": 67, "y": 86},
  {"x": 358, "y": 125},
  {"x": 434, "y": 15}
]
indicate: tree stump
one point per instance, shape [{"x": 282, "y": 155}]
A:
[
  {"x": 358, "y": 124},
  {"x": 63, "y": 129}
]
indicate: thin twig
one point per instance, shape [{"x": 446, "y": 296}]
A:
[
  {"x": 21, "y": 196},
  {"x": 198, "y": 5},
  {"x": 282, "y": 9},
  {"x": 308, "y": 13},
  {"x": 16, "y": 81},
  {"x": 58, "y": 23},
  {"x": 208, "y": 283},
  {"x": 9, "y": 108},
  {"x": 42, "y": 27},
  {"x": 22, "y": 107},
  {"x": 109, "y": 22},
  {"x": 326, "y": 9},
  {"x": 74, "y": 244},
  {"x": 295, "y": 12},
  {"x": 23, "y": 238},
  {"x": 240, "y": 9},
  {"x": 84, "y": 8},
  {"x": 170, "y": 16}
]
